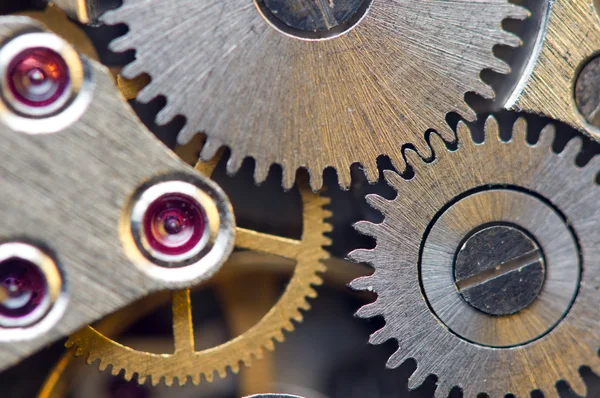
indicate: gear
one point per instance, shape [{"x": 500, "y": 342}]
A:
[
  {"x": 313, "y": 86},
  {"x": 487, "y": 267},
  {"x": 185, "y": 362}
]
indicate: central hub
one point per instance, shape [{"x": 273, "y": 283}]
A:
[
  {"x": 500, "y": 270},
  {"x": 313, "y": 19}
]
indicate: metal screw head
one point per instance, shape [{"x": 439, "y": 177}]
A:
[
  {"x": 499, "y": 270},
  {"x": 313, "y": 19}
]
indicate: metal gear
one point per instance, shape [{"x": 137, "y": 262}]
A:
[
  {"x": 444, "y": 212},
  {"x": 186, "y": 362},
  {"x": 309, "y": 87}
]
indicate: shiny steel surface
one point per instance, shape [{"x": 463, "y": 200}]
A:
[
  {"x": 538, "y": 174},
  {"x": 313, "y": 103},
  {"x": 62, "y": 189}
]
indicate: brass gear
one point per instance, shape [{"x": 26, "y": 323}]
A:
[{"x": 186, "y": 362}]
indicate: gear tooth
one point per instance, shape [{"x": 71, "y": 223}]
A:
[
  {"x": 371, "y": 172},
  {"x": 289, "y": 326},
  {"x": 146, "y": 94},
  {"x": 551, "y": 393},
  {"x": 417, "y": 378},
  {"x": 210, "y": 148},
  {"x": 511, "y": 39},
  {"x": 366, "y": 228},
  {"x": 128, "y": 375},
  {"x": 270, "y": 345},
  {"x": 396, "y": 359},
  {"x": 311, "y": 293},
  {"x": 492, "y": 130},
  {"x": 298, "y": 317},
  {"x": 369, "y": 310},
  {"x": 261, "y": 172},
  {"x": 380, "y": 336},
  {"x": 196, "y": 378},
  {"x": 288, "y": 177},
  {"x": 102, "y": 365},
  {"x": 361, "y": 256},
  {"x": 593, "y": 166},
  {"x": 463, "y": 134},
  {"x": 377, "y": 202},
  {"x": 484, "y": 90},
  {"x": 234, "y": 163},
  {"x": 165, "y": 115},
  {"x": 121, "y": 44},
  {"x": 279, "y": 337},
  {"x": 133, "y": 70},
  {"x": 115, "y": 370},
  {"x": 154, "y": 381},
  {"x": 443, "y": 389},
  {"x": 500, "y": 66},
  {"x": 413, "y": 158},
  {"x": 362, "y": 283},
  {"x": 547, "y": 136},
  {"x": 317, "y": 280},
  {"x": 168, "y": 380},
  {"x": 577, "y": 385},
  {"x": 69, "y": 343},
  {"x": 235, "y": 367},
  {"x": 517, "y": 12},
  {"x": 519, "y": 131},
  {"x": 572, "y": 149},
  {"x": 438, "y": 146},
  {"x": 316, "y": 179},
  {"x": 111, "y": 17},
  {"x": 393, "y": 179},
  {"x": 141, "y": 380}
]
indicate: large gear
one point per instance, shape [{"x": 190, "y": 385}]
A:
[
  {"x": 187, "y": 363},
  {"x": 447, "y": 210},
  {"x": 253, "y": 77}
]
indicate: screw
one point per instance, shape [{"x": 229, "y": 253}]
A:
[
  {"x": 587, "y": 92},
  {"x": 313, "y": 16},
  {"x": 499, "y": 270}
]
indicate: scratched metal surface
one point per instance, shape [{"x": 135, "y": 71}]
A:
[
  {"x": 67, "y": 191},
  {"x": 314, "y": 104}
]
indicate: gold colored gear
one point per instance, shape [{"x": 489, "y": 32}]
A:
[{"x": 186, "y": 362}]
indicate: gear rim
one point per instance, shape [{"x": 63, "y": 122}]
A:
[
  {"x": 308, "y": 254},
  {"x": 378, "y": 115},
  {"x": 418, "y": 334}
]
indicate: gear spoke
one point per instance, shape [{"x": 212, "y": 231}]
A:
[
  {"x": 265, "y": 243},
  {"x": 183, "y": 329}
]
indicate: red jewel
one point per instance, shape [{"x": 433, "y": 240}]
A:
[
  {"x": 174, "y": 224},
  {"x": 25, "y": 285},
  {"x": 38, "y": 77}
]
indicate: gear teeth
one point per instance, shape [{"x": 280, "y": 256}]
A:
[
  {"x": 360, "y": 256},
  {"x": 547, "y": 137},
  {"x": 413, "y": 158},
  {"x": 553, "y": 393},
  {"x": 484, "y": 90},
  {"x": 492, "y": 131},
  {"x": 289, "y": 178},
  {"x": 417, "y": 378},
  {"x": 316, "y": 179},
  {"x": 371, "y": 172},
  {"x": 141, "y": 380},
  {"x": 519, "y": 132},
  {"x": 146, "y": 94},
  {"x": 234, "y": 163},
  {"x": 261, "y": 172},
  {"x": 369, "y": 310},
  {"x": 500, "y": 66},
  {"x": 463, "y": 134},
  {"x": 393, "y": 179},
  {"x": 572, "y": 150},
  {"x": 165, "y": 115},
  {"x": 577, "y": 385},
  {"x": 439, "y": 147},
  {"x": 380, "y": 336},
  {"x": 121, "y": 44},
  {"x": 210, "y": 149},
  {"x": 366, "y": 227}
]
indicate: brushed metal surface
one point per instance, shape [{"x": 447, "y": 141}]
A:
[
  {"x": 67, "y": 190},
  {"x": 314, "y": 103},
  {"x": 572, "y": 190}
]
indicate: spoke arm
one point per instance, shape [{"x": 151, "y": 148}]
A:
[
  {"x": 183, "y": 330},
  {"x": 265, "y": 243}
]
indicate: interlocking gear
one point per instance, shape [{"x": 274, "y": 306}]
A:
[
  {"x": 185, "y": 362},
  {"x": 272, "y": 90},
  {"x": 497, "y": 219}
]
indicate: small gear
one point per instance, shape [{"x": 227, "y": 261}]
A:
[
  {"x": 487, "y": 265},
  {"x": 317, "y": 85},
  {"x": 186, "y": 362}
]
